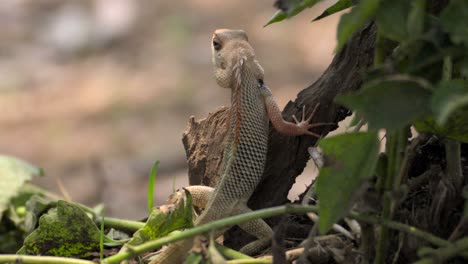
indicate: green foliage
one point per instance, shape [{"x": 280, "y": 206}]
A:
[
  {"x": 337, "y": 7},
  {"x": 293, "y": 8},
  {"x": 454, "y": 20},
  {"x": 152, "y": 179},
  {"x": 350, "y": 160},
  {"x": 450, "y": 96},
  {"x": 354, "y": 20},
  {"x": 13, "y": 173},
  {"x": 64, "y": 231},
  {"x": 390, "y": 103},
  {"x": 166, "y": 219},
  {"x": 392, "y": 19},
  {"x": 419, "y": 79}
]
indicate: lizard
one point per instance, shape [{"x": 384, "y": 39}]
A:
[{"x": 244, "y": 158}]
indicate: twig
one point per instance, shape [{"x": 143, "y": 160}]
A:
[
  {"x": 445, "y": 253},
  {"x": 410, "y": 154},
  {"x": 396, "y": 144},
  {"x": 460, "y": 230},
  {"x": 454, "y": 167},
  {"x": 291, "y": 255},
  {"x": 422, "y": 179}
]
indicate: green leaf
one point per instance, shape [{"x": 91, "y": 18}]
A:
[
  {"x": 415, "y": 24},
  {"x": 13, "y": 174},
  {"x": 392, "y": 19},
  {"x": 277, "y": 17},
  {"x": 35, "y": 207},
  {"x": 449, "y": 105},
  {"x": 354, "y": 20},
  {"x": 166, "y": 219},
  {"x": 449, "y": 96},
  {"x": 390, "y": 103},
  {"x": 64, "y": 231},
  {"x": 292, "y": 7},
  {"x": 350, "y": 161},
  {"x": 455, "y": 128},
  {"x": 337, "y": 7},
  {"x": 454, "y": 20},
  {"x": 152, "y": 179}
]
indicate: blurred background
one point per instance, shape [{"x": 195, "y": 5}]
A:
[{"x": 94, "y": 91}]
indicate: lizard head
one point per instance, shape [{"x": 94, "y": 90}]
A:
[{"x": 231, "y": 50}]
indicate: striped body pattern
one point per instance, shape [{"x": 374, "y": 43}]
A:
[{"x": 245, "y": 154}]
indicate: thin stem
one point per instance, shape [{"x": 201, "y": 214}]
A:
[
  {"x": 452, "y": 147},
  {"x": 249, "y": 261},
  {"x": 152, "y": 179},
  {"x": 367, "y": 245},
  {"x": 41, "y": 260},
  {"x": 124, "y": 225},
  {"x": 379, "y": 53},
  {"x": 447, "y": 68},
  {"x": 231, "y": 253},
  {"x": 395, "y": 147},
  {"x": 454, "y": 166},
  {"x": 101, "y": 238},
  {"x": 445, "y": 253}
]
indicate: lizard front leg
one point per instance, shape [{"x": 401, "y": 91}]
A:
[{"x": 284, "y": 127}]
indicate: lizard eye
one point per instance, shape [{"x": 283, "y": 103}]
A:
[
  {"x": 216, "y": 45},
  {"x": 260, "y": 81}
]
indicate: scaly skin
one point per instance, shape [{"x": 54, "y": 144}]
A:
[{"x": 252, "y": 106}]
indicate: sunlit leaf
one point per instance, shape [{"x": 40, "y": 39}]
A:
[
  {"x": 350, "y": 161},
  {"x": 290, "y": 8},
  {"x": 337, "y": 7},
  {"x": 13, "y": 174}
]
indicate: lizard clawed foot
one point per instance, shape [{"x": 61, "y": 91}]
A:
[{"x": 305, "y": 123}]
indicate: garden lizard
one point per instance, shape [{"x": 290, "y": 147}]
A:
[{"x": 252, "y": 107}]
